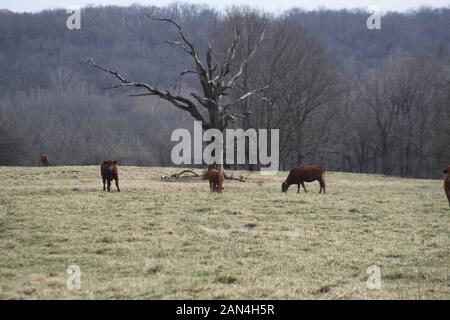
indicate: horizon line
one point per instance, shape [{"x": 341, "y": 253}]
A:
[{"x": 410, "y": 10}]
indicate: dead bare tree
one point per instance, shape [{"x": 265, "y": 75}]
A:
[{"x": 216, "y": 79}]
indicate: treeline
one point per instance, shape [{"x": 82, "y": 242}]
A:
[{"x": 342, "y": 95}]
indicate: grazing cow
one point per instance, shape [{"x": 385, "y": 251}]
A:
[
  {"x": 447, "y": 183},
  {"x": 44, "y": 160},
  {"x": 109, "y": 172},
  {"x": 302, "y": 174},
  {"x": 215, "y": 178}
]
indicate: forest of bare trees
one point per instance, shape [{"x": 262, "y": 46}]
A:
[{"x": 352, "y": 99}]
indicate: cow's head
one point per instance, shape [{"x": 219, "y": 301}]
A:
[
  {"x": 446, "y": 171},
  {"x": 112, "y": 165},
  {"x": 284, "y": 187}
]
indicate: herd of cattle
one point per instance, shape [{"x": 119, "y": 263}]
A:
[{"x": 297, "y": 176}]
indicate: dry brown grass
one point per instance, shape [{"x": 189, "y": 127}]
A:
[{"x": 160, "y": 239}]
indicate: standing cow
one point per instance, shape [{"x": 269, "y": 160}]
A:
[
  {"x": 215, "y": 178},
  {"x": 109, "y": 172},
  {"x": 302, "y": 174},
  {"x": 447, "y": 183},
  {"x": 44, "y": 160}
]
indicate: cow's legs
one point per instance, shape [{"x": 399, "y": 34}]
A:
[
  {"x": 108, "y": 186},
  {"x": 104, "y": 184},
  {"x": 298, "y": 189},
  {"x": 117, "y": 185},
  {"x": 303, "y": 185},
  {"x": 322, "y": 186}
]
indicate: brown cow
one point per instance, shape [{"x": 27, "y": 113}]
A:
[
  {"x": 447, "y": 183},
  {"x": 109, "y": 172},
  {"x": 302, "y": 174},
  {"x": 44, "y": 160},
  {"x": 215, "y": 178}
]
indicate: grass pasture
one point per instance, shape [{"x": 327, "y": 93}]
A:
[{"x": 171, "y": 240}]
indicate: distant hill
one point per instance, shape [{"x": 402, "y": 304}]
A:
[
  {"x": 32, "y": 45},
  {"x": 387, "y": 114}
]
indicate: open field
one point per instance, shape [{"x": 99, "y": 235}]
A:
[{"x": 166, "y": 240}]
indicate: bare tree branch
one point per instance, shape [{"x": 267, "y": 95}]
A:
[
  {"x": 230, "y": 55},
  {"x": 188, "y": 46},
  {"x": 212, "y": 81},
  {"x": 176, "y": 100},
  {"x": 245, "y": 96},
  {"x": 246, "y": 61}
]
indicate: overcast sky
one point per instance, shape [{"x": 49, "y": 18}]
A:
[{"x": 269, "y": 5}]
